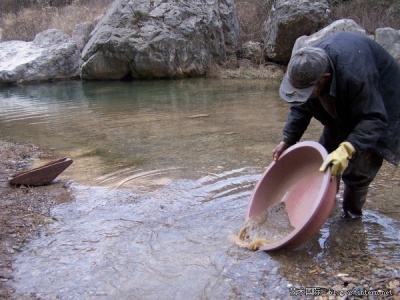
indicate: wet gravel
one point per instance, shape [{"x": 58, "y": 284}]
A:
[
  {"x": 345, "y": 269},
  {"x": 353, "y": 273},
  {"x": 24, "y": 211}
]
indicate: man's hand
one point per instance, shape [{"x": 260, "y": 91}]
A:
[
  {"x": 338, "y": 159},
  {"x": 279, "y": 149}
]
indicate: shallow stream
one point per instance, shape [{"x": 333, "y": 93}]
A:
[{"x": 162, "y": 175}]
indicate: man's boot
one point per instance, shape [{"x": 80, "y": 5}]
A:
[{"x": 353, "y": 200}]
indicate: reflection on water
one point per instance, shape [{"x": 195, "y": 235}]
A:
[
  {"x": 193, "y": 123},
  {"x": 162, "y": 175},
  {"x": 171, "y": 243}
]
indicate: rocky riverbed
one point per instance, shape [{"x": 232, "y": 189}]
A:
[{"x": 25, "y": 212}]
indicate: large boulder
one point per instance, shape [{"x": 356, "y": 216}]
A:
[
  {"x": 343, "y": 25},
  {"x": 160, "y": 39},
  {"x": 252, "y": 51},
  {"x": 290, "y": 19},
  {"x": 51, "y": 55},
  {"x": 81, "y": 34},
  {"x": 389, "y": 39}
]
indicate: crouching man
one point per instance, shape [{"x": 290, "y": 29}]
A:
[{"x": 351, "y": 85}]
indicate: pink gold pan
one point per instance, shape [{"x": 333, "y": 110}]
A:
[{"x": 309, "y": 195}]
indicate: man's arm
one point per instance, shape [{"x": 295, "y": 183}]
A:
[{"x": 297, "y": 122}]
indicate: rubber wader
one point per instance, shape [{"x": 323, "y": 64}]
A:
[{"x": 353, "y": 200}]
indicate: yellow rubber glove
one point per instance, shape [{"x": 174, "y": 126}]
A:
[{"x": 338, "y": 159}]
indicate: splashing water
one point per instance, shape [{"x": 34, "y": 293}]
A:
[
  {"x": 269, "y": 227},
  {"x": 143, "y": 225}
]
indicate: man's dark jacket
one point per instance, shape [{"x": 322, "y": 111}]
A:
[{"x": 366, "y": 92}]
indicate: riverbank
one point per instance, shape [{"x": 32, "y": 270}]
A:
[
  {"x": 25, "y": 214},
  {"x": 246, "y": 69},
  {"x": 23, "y": 211}
]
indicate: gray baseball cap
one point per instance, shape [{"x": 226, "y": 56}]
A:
[{"x": 304, "y": 70}]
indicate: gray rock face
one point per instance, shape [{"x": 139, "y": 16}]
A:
[
  {"x": 343, "y": 25},
  {"x": 81, "y": 34},
  {"x": 290, "y": 19},
  {"x": 51, "y": 55},
  {"x": 252, "y": 51},
  {"x": 160, "y": 39},
  {"x": 389, "y": 39}
]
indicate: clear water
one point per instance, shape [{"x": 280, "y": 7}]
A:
[{"x": 162, "y": 175}]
